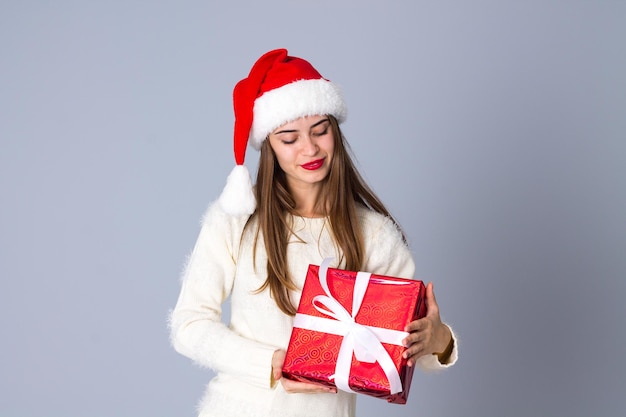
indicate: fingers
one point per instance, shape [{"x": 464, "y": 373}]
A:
[
  {"x": 294, "y": 387},
  {"x": 278, "y": 359},
  {"x": 428, "y": 334},
  {"x": 422, "y": 338},
  {"x": 418, "y": 340},
  {"x": 417, "y": 325},
  {"x": 427, "y": 324},
  {"x": 431, "y": 302},
  {"x": 413, "y": 353},
  {"x": 427, "y": 338},
  {"x": 430, "y": 293}
]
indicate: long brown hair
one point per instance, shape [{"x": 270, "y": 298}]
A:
[{"x": 342, "y": 190}]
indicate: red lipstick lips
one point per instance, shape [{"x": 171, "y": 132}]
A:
[{"x": 313, "y": 165}]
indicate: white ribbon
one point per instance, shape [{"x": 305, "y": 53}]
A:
[{"x": 364, "y": 341}]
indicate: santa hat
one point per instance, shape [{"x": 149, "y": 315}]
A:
[{"x": 278, "y": 90}]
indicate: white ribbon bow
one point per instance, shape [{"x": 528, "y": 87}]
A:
[{"x": 364, "y": 341}]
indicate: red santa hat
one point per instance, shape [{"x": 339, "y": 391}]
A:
[{"x": 278, "y": 90}]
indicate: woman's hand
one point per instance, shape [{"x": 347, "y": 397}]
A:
[
  {"x": 278, "y": 359},
  {"x": 428, "y": 335}
]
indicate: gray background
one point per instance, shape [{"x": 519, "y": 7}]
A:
[{"x": 494, "y": 130}]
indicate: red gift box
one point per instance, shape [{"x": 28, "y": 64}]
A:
[{"x": 348, "y": 332}]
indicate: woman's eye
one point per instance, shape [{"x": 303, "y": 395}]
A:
[
  {"x": 288, "y": 141},
  {"x": 321, "y": 132}
]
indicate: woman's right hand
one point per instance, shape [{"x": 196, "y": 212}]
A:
[{"x": 292, "y": 387}]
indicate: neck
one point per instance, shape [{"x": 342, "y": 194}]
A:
[{"x": 307, "y": 201}]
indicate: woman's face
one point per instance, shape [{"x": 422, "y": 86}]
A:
[{"x": 304, "y": 150}]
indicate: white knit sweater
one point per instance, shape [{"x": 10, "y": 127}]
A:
[{"x": 241, "y": 353}]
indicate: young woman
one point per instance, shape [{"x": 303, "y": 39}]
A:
[{"x": 309, "y": 203}]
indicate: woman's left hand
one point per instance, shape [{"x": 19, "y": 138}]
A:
[{"x": 428, "y": 335}]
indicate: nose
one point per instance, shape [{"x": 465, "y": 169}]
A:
[{"x": 309, "y": 146}]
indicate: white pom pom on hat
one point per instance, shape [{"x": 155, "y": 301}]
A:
[{"x": 279, "y": 89}]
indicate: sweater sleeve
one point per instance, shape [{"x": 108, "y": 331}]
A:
[
  {"x": 388, "y": 254},
  {"x": 386, "y": 251},
  {"x": 196, "y": 324}
]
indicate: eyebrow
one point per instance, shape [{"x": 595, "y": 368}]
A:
[{"x": 294, "y": 130}]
